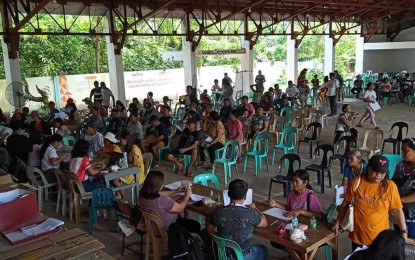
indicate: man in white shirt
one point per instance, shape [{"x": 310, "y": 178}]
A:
[
  {"x": 216, "y": 87},
  {"x": 95, "y": 139},
  {"x": 291, "y": 91},
  {"x": 332, "y": 89}
]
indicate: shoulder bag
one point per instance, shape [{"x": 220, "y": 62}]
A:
[{"x": 347, "y": 223}]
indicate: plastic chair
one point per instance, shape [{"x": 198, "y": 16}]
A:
[
  {"x": 348, "y": 140},
  {"x": 313, "y": 96},
  {"x": 277, "y": 127},
  {"x": 179, "y": 114},
  {"x": 156, "y": 234},
  {"x": 411, "y": 99},
  {"x": 147, "y": 159},
  {"x": 347, "y": 86},
  {"x": 125, "y": 210},
  {"x": 63, "y": 193},
  {"x": 220, "y": 244},
  {"x": 323, "y": 166},
  {"x": 204, "y": 178},
  {"x": 38, "y": 180},
  {"x": 297, "y": 122},
  {"x": 315, "y": 129},
  {"x": 286, "y": 111},
  {"x": 228, "y": 161},
  {"x": 396, "y": 142},
  {"x": 286, "y": 142},
  {"x": 263, "y": 140},
  {"x": 330, "y": 213},
  {"x": 67, "y": 139},
  {"x": 394, "y": 159},
  {"x": 161, "y": 150},
  {"x": 101, "y": 199},
  {"x": 374, "y": 146},
  {"x": 287, "y": 179},
  {"x": 186, "y": 161},
  {"x": 78, "y": 194}
]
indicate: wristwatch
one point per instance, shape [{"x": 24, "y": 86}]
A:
[{"x": 404, "y": 231}]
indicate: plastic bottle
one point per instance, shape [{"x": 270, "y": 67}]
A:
[
  {"x": 313, "y": 222},
  {"x": 294, "y": 222},
  {"x": 217, "y": 198},
  {"x": 212, "y": 196}
]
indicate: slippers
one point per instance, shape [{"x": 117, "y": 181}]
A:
[
  {"x": 189, "y": 174},
  {"x": 179, "y": 170},
  {"x": 376, "y": 128}
]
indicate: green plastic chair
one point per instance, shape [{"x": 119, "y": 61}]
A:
[
  {"x": 67, "y": 139},
  {"x": 259, "y": 155},
  {"x": 411, "y": 99},
  {"x": 347, "y": 86},
  {"x": 313, "y": 96},
  {"x": 186, "y": 161},
  {"x": 221, "y": 244},
  {"x": 160, "y": 151},
  {"x": 228, "y": 162},
  {"x": 286, "y": 142},
  {"x": 179, "y": 115},
  {"x": 394, "y": 159},
  {"x": 330, "y": 213},
  {"x": 286, "y": 111},
  {"x": 204, "y": 178},
  {"x": 101, "y": 199}
]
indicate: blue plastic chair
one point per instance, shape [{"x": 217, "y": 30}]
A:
[
  {"x": 160, "y": 151},
  {"x": 394, "y": 159},
  {"x": 286, "y": 111},
  {"x": 179, "y": 115},
  {"x": 220, "y": 244},
  {"x": 101, "y": 199},
  {"x": 262, "y": 139},
  {"x": 186, "y": 161},
  {"x": 286, "y": 142},
  {"x": 227, "y": 162},
  {"x": 67, "y": 139},
  {"x": 313, "y": 96},
  {"x": 204, "y": 178}
]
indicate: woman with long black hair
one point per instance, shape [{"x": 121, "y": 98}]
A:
[{"x": 50, "y": 159}]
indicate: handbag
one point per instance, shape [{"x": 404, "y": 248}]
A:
[{"x": 347, "y": 223}]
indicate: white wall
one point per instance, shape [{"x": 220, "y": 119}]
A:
[{"x": 391, "y": 60}]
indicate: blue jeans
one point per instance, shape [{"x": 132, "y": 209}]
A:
[
  {"x": 256, "y": 252},
  {"x": 333, "y": 105}
]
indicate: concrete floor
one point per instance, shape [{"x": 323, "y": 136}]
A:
[{"x": 105, "y": 231}]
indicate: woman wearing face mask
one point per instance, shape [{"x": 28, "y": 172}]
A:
[
  {"x": 404, "y": 178},
  {"x": 301, "y": 199},
  {"x": 50, "y": 159},
  {"x": 374, "y": 198}
]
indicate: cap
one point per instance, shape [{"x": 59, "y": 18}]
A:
[
  {"x": 86, "y": 99},
  {"x": 110, "y": 137},
  {"x": 359, "y": 76},
  {"x": 379, "y": 163},
  {"x": 18, "y": 111},
  {"x": 147, "y": 105},
  {"x": 152, "y": 118},
  {"x": 51, "y": 103},
  {"x": 191, "y": 121},
  {"x": 88, "y": 124}
]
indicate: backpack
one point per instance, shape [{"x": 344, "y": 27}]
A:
[{"x": 196, "y": 246}]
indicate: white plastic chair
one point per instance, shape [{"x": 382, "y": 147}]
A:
[
  {"x": 63, "y": 193},
  {"x": 38, "y": 180}
]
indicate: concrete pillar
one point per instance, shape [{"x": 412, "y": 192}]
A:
[
  {"x": 247, "y": 65},
  {"x": 11, "y": 66},
  {"x": 115, "y": 67},
  {"x": 329, "y": 53},
  {"x": 292, "y": 60},
  {"x": 360, "y": 42},
  {"x": 189, "y": 60}
]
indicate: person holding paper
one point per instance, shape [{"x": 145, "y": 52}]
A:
[
  {"x": 370, "y": 100},
  {"x": 237, "y": 222},
  {"x": 301, "y": 200}
]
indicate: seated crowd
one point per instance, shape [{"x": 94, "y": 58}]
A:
[{"x": 121, "y": 135}]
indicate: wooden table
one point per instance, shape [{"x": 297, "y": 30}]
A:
[
  {"x": 122, "y": 173},
  {"x": 316, "y": 237}
]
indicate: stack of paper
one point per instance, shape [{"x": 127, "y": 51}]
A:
[{"x": 47, "y": 225}]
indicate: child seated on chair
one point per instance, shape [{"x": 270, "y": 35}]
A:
[{"x": 60, "y": 128}]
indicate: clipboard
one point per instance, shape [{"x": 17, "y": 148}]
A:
[{"x": 375, "y": 106}]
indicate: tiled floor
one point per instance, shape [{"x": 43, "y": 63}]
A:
[{"x": 106, "y": 231}]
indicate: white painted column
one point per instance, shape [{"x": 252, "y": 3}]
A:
[
  {"x": 115, "y": 68},
  {"x": 329, "y": 53},
  {"x": 189, "y": 61},
  {"x": 292, "y": 60},
  {"x": 360, "y": 53},
  {"x": 247, "y": 65},
  {"x": 11, "y": 66}
]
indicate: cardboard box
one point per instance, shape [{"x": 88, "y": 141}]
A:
[
  {"x": 67, "y": 245},
  {"x": 17, "y": 211}
]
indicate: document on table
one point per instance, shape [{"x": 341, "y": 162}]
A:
[
  {"x": 47, "y": 225},
  {"x": 338, "y": 194},
  {"x": 248, "y": 200},
  {"x": 174, "y": 185},
  {"x": 278, "y": 213},
  {"x": 196, "y": 198},
  {"x": 8, "y": 196}
]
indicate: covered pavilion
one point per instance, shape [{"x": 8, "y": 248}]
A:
[{"x": 372, "y": 21}]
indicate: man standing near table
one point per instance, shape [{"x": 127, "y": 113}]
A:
[{"x": 237, "y": 222}]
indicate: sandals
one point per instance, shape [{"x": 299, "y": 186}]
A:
[
  {"x": 178, "y": 170},
  {"x": 188, "y": 173}
]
